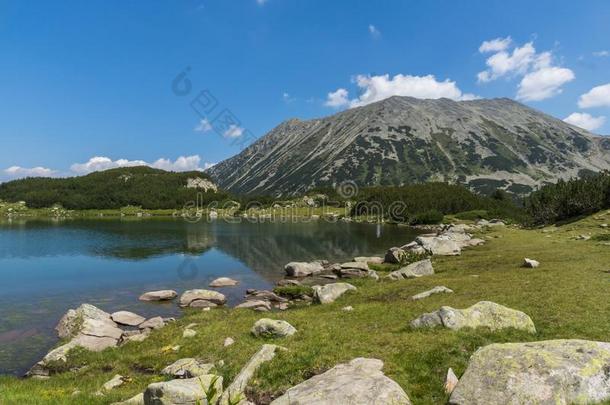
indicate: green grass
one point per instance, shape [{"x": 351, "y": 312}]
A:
[{"x": 567, "y": 297}]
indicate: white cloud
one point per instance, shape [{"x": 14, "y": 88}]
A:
[
  {"x": 261, "y": 2},
  {"x": 586, "y": 121},
  {"x": 495, "y": 45},
  {"x": 598, "y": 96},
  {"x": 204, "y": 126},
  {"x": 15, "y": 172},
  {"x": 543, "y": 83},
  {"x": 601, "y": 54},
  {"x": 233, "y": 131},
  {"x": 287, "y": 98},
  {"x": 375, "y": 33},
  {"x": 540, "y": 79},
  {"x": 98, "y": 163},
  {"x": 376, "y": 88},
  {"x": 338, "y": 98}
]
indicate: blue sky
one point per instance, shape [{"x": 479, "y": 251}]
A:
[{"x": 88, "y": 85}]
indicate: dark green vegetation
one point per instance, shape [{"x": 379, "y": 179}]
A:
[
  {"x": 567, "y": 297},
  {"x": 570, "y": 199},
  {"x": 111, "y": 189},
  {"x": 428, "y": 203}
]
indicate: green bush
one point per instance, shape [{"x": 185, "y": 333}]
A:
[
  {"x": 293, "y": 291},
  {"x": 429, "y": 217}
]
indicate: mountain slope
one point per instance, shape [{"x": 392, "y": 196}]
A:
[
  {"x": 400, "y": 140},
  {"x": 114, "y": 188}
]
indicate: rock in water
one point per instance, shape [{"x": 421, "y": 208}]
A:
[
  {"x": 436, "y": 290},
  {"x": 330, "y": 292},
  {"x": 187, "y": 368},
  {"x": 543, "y": 373},
  {"x": 360, "y": 381},
  {"x": 127, "y": 318},
  {"x": 191, "y": 296},
  {"x": 530, "y": 263},
  {"x": 238, "y": 386},
  {"x": 482, "y": 314},
  {"x": 223, "y": 282},
  {"x": 417, "y": 269},
  {"x": 266, "y": 327},
  {"x": 161, "y": 295},
  {"x": 189, "y": 391},
  {"x": 303, "y": 269}
]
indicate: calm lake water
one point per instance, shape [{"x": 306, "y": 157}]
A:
[{"x": 47, "y": 267}]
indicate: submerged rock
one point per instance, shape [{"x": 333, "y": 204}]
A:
[
  {"x": 223, "y": 282},
  {"x": 413, "y": 270},
  {"x": 482, "y": 314},
  {"x": 330, "y": 292},
  {"x": 161, "y": 295},
  {"x": 547, "y": 372},
  {"x": 360, "y": 381},
  {"x": 272, "y": 328},
  {"x": 188, "y": 391}
]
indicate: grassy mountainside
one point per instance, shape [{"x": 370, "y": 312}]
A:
[
  {"x": 111, "y": 189},
  {"x": 567, "y": 297}
]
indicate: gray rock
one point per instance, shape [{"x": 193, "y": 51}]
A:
[
  {"x": 439, "y": 245},
  {"x": 187, "y": 368},
  {"x": 135, "y": 400},
  {"x": 255, "y": 304},
  {"x": 272, "y": 328},
  {"x": 303, "y": 269},
  {"x": 238, "y": 386},
  {"x": 188, "y": 391},
  {"x": 136, "y": 337},
  {"x": 356, "y": 265},
  {"x": 394, "y": 255},
  {"x": 482, "y": 314},
  {"x": 223, "y": 282},
  {"x": 115, "y": 382},
  {"x": 451, "y": 381},
  {"x": 264, "y": 295},
  {"x": 152, "y": 323},
  {"x": 530, "y": 263},
  {"x": 161, "y": 295},
  {"x": 369, "y": 259},
  {"x": 189, "y": 333},
  {"x": 351, "y": 273},
  {"x": 127, "y": 318},
  {"x": 203, "y": 304},
  {"x": 228, "y": 341},
  {"x": 436, "y": 290},
  {"x": 360, "y": 381},
  {"x": 205, "y": 295},
  {"x": 72, "y": 322},
  {"x": 330, "y": 292},
  {"x": 413, "y": 270},
  {"x": 544, "y": 373}
]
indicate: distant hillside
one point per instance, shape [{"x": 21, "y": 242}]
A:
[
  {"x": 484, "y": 144},
  {"x": 114, "y": 188}
]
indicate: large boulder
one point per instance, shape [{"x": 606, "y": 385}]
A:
[
  {"x": 187, "y": 368},
  {"x": 274, "y": 328},
  {"x": 303, "y": 269},
  {"x": 394, "y": 255},
  {"x": 482, "y": 314},
  {"x": 545, "y": 373},
  {"x": 190, "y": 391},
  {"x": 360, "y": 381},
  {"x": 127, "y": 318},
  {"x": 188, "y": 298},
  {"x": 160, "y": 295},
  {"x": 439, "y": 245},
  {"x": 328, "y": 293},
  {"x": 238, "y": 386},
  {"x": 413, "y": 270}
]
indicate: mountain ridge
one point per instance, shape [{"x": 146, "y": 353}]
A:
[{"x": 484, "y": 143}]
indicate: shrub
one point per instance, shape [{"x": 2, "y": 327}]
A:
[{"x": 293, "y": 291}]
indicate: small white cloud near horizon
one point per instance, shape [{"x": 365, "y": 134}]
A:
[
  {"x": 585, "y": 121},
  {"x": 287, "y": 98},
  {"x": 99, "y": 163},
  {"x": 374, "y": 31},
  {"x": 203, "y": 126},
  {"x": 601, "y": 54},
  {"x": 376, "y": 88},
  {"x": 234, "y": 131},
  {"x": 598, "y": 96},
  {"x": 15, "y": 172},
  {"x": 495, "y": 45},
  {"x": 540, "y": 78}
]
